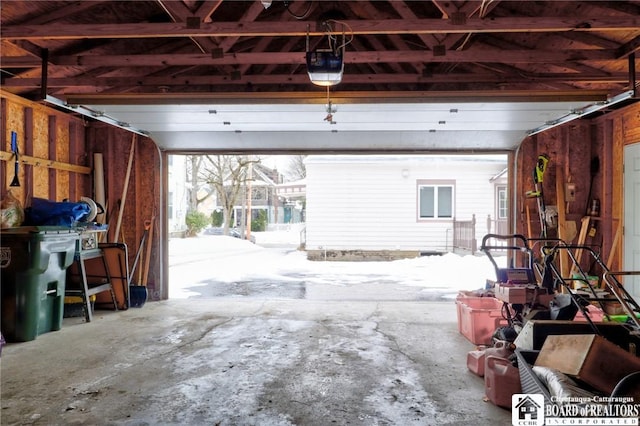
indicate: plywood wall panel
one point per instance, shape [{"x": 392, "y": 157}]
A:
[
  {"x": 38, "y": 126},
  {"x": 62, "y": 154},
  {"x": 28, "y": 140},
  {"x": 15, "y": 123},
  {"x": 53, "y": 148}
]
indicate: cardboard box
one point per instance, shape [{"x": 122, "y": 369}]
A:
[
  {"x": 613, "y": 308},
  {"x": 588, "y": 357},
  {"x": 519, "y": 294}
]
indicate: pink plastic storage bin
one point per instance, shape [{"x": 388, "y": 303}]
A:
[
  {"x": 479, "y": 317},
  {"x": 462, "y": 298}
]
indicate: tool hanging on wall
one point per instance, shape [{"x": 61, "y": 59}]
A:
[
  {"x": 593, "y": 205},
  {"x": 594, "y": 212},
  {"x": 538, "y": 194},
  {"x": 595, "y": 168},
  {"x": 14, "y": 149}
]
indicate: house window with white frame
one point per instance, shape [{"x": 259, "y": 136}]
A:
[
  {"x": 435, "y": 200},
  {"x": 502, "y": 202}
]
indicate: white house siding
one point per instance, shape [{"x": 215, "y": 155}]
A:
[
  {"x": 177, "y": 193},
  {"x": 369, "y": 203}
]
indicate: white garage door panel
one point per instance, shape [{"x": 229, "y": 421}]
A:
[
  {"x": 306, "y": 126},
  {"x": 340, "y": 141}
]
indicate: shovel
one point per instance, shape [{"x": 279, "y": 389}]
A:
[{"x": 138, "y": 293}]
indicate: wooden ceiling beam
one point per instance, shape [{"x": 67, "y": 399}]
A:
[
  {"x": 365, "y": 9},
  {"x": 207, "y": 8},
  {"x": 628, "y": 48},
  {"x": 344, "y": 96},
  {"x": 294, "y": 58},
  {"x": 374, "y": 78},
  {"x": 179, "y": 12},
  {"x": 20, "y": 62},
  {"x": 302, "y": 28}
]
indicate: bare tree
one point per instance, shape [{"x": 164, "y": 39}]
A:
[
  {"x": 297, "y": 169},
  {"x": 227, "y": 175},
  {"x": 194, "y": 172}
]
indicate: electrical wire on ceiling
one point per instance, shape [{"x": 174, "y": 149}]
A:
[
  {"x": 332, "y": 35},
  {"x": 306, "y": 13}
]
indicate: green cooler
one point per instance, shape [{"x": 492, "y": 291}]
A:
[{"x": 33, "y": 266}]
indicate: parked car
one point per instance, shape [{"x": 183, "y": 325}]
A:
[
  {"x": 233, "y": 232},
  {"x": 212, "y": 231}
]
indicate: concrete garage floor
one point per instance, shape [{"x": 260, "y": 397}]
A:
[{"x": 231, "y": 362}]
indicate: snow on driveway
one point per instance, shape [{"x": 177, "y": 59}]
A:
[{"x": 204, "y": 259}]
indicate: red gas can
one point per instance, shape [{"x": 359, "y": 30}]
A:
[
  {"x": 501, "y": 380},
  {"x": 475, "y": 362},
  {"x": 501, "y": 348}
]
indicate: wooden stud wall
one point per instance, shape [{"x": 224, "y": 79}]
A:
[
  {"x": 620, "y": 128},
  {"x": 143, "y": 199},
  {"x": 571, "y": 148},
  {"x": 56, "y": 154}
]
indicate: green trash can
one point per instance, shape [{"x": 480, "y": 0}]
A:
[{"x": 33, "y": 267}]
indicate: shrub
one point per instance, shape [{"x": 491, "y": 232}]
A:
[
  {"x": 217, "y": 218},
  {"x": 196, "y": 221},
  {"x": 259, "y": 224}
]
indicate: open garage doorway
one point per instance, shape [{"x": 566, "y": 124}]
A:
[{"x": 333, "y": 227}]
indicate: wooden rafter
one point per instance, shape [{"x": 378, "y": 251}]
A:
[
  {"x": 214, "y": 45},
  {"x": 397, "y": 56},
  {"x": 302, "y": 28}
]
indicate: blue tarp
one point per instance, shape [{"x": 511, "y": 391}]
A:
[{"x": 50, "y": 213}]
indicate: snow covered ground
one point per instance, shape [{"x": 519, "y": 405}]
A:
[{"x": 197, "y": 262}]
